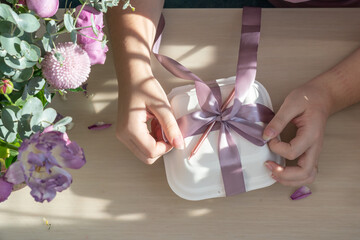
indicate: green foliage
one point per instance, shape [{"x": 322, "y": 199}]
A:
[{"x": 24, "y": 111}]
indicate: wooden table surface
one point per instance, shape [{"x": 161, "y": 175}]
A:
[{"x": 115, "y": 196}]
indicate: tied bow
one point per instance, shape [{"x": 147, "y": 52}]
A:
[{"x": 241, "y": 118}]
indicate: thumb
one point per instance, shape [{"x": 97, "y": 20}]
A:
[
  {"x": 169, "y": 125},
  {"x": 279, "y": 122}
]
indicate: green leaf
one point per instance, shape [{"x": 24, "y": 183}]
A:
[
  {"x": 29, "y": 51},
  {"x": 6, "y": 134},
  {"x": 69, "y": 22},
  {"x": 3, "y": 11},
  {"x": 32, "y": 106},
  {"x": 73, "y": 36},
  {"x": 10, "y": 160},
  {"x": 47, "y": 93},
  {"x": 59, "y": 57},
  {"x": 7, "y": 27},
  {"x": 79, "y": 89},
  {"x": 9, "y": 119},
  {"x": 62, "y": 122},
  {"x": 5, "y": 69},
  {"x": 23, "y": 75},
  {"x": 47, "y": 42},
  {"x": 8, "y": 14},
  {"x": 21, "y": 102},
  {"x": 10, "y": 44},
  {"x": 11, "y": 1},
  {"x": 35, "y": 85},
  {"x": 51, "y": 27},
  {"x": 28, "y": 22},
  {"x": 48, "y": 117},
  {"x": 18, "y": 63},
  {"x": 2, "y": 52}
]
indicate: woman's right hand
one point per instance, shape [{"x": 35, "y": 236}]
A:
[{"x": 140, "y": 101}]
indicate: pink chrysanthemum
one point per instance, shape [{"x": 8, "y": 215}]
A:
[{"x": 69, "y": 70}]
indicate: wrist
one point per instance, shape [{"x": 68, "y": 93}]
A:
[{"x": 323, "y": 95}]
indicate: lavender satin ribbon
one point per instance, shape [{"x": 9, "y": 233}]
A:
[{"x": 239, "y": 117}]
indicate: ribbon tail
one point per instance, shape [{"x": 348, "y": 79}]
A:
[{"x": 231, "y": 168}]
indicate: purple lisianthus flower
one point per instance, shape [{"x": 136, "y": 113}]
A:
[
  {"x": 94, "y": 49},
  {"x": 41, "y": 161},
  {"x": 43, "y": 8},
  {"x": 5, "y": 189}
]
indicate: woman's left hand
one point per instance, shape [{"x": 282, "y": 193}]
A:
[{"x": 308, "y": 107}]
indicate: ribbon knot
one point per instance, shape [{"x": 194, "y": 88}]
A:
[{"x": 240, "y": 118}]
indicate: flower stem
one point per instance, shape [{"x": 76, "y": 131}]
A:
[
  {"x": 8, "y": 145},
  {"x": 89, "y": 37},
  {"x": 82, "y": 7},
  {"x": 8, "y": 98}
]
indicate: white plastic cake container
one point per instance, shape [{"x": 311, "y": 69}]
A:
[{"x": 200, "y": 177}]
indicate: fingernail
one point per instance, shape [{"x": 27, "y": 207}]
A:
[
  {"x": 178, "y": 142},
  {"x": 268, "y": 165},
  {"x": 269, "y": 133}
]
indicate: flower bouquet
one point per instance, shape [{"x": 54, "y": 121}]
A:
[{"x": 34, "y": 147}]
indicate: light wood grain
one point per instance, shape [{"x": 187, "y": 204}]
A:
[{"x": 115, "y": 196}]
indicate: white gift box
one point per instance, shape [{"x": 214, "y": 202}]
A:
[{"x": 200, "y": 177}]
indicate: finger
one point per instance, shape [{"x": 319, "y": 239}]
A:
[
  {"x": 149, "y": 147},
  {"x": 285, "y": 114},
  {"x": 297, "y": 146},
  {"x": 305, "y": 172},
  {"x": 169, "y": 125},
  {"x": 145, "y": 157}
]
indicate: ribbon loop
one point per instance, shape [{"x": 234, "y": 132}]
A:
[{"x": 240, "y": 118}]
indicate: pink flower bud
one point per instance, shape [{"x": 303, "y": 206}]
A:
[
  {"x": 6, "y": 86},
  {"x": 43, "y": 8}
]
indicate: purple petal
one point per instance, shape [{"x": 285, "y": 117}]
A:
[
  {"x": 5, "y": 189},
  {"x": 300, "y": 193},
  {"x": 99, "y": 126},
  {"x": 45, "y": 188},
  {"x": 72, "y": 156},
  {"x": 15, "y": 174}
]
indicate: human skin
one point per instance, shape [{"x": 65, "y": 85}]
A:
[
  {"x": 307, "y": 106},
  {"x": 141, "y": 97}
]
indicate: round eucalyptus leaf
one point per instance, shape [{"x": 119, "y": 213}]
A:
[
  {"x": 32, "y": 106},
  {"x": 28, "y": 51},
  {"x": 51, "y": 27},
  {"x": 10, "y": 44},
  {"x": 64, "y": 121},
  {"x": 7, "y": 27},
  {"x": 47, "y": 42},
  {"x": 73, "y": 36},
  {"x": 35, "y": 120},
  {"x": 17, "y": 63},
  {"x": 23, "y": 75},
  {"x": 28, "y": 22},
  {"x": 24, "y": 128},
  {"x": 2, "y": 52},
  {"x": 9, "y": 119},
  {"x": 5, "y": 69},
  {"x": 3, "y": 11},
  {"x": 8, "y": 14},
  {"x": 7, "y": 135},
  {"x": 60, "y": 128},
  {"x": 35, "y": 85},
  {"x": 69, "y": 22},
  {"x": 48, "y": 117}
]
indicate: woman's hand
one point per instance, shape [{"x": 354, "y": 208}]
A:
[
  {"x": 308, "y": 107},
  {"x": 140, "y": 101}
]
